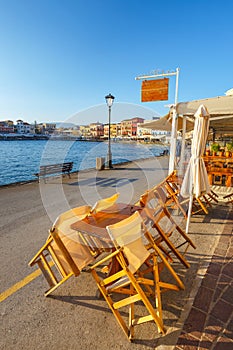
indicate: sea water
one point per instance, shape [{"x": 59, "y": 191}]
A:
[{"x": 21, "y": 159}]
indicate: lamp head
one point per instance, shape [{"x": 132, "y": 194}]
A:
[{"x": 109, "y": 100}]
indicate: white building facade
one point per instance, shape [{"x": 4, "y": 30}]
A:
[{"x": 24, "y": 127}]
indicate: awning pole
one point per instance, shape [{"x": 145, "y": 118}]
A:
[
  {"x": 182, "y": 158},
  {"x": 189, "y": 213},
  {"x": 174, "y": 128}
]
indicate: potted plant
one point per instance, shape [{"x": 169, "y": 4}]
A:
[
  {"x": 215, "y": 148},
  {"x": 229, "y": 147},
  {"x": 207, "y": 152},
  {"x": 221, "y": 152}
]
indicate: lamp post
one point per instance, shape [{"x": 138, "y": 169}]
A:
[{"x": 109, "y": 100}]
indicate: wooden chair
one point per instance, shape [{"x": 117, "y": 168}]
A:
[
  {"x": 170, "y": 196},
  {"x": 215, "y": 169},
  {"x": 163, "y": 227},
  {"x": 172, "y": 185},
  {"x": 129, "y": 282},
  {"x": 229, "y": 198},
  {"x": 64, "y": 254},
  {"x": 104, "y": 203}
]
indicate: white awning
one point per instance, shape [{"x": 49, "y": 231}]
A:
[
  {"x": 216, "y": 106},
  {"x": 165, "y": 123},
  {"x": 220, "y": 109}
]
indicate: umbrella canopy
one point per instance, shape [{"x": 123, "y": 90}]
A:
[{"x": 196, "y": 179}]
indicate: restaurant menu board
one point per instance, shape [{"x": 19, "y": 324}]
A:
[{"x": 154, "y": 90}]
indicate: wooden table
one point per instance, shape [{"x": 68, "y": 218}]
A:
[
  {"x": 94, "y": 225},
  {"x": 215, "y": 159},
  {"x": 219, "y": 169},
  {"x": 94, "y": 232}
]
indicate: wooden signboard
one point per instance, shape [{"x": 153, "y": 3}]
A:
[{"x": 154, "y": 90}]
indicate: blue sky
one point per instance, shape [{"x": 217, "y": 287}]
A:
[{"x": 59, "y": 58}]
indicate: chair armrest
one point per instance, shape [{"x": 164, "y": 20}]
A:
[{"x": 106, "y": 258}]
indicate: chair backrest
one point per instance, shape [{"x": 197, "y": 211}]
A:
[
  {"x": 156, "y": 212},
  {"x": 127, "y": 234},
  {"x": 104, "y": 203},
  {"x": 161, "y": 195},
  {"x": 63, "y": 222},
  {"x": 78, "y": 250}
]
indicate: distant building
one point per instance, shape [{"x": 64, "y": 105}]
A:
[
  {"x": 148, "y": 133},
  {"x": 113, "y": 130},
  {"x": 85, "y": 131},
  {"x": 24, "y": 127},
  {"x": 39, "y": 128},
  {"x": 7, "y": 127},
  {"x": 97, "y": 130},
  {"x": 129, "y": 127},
  {"x": 49, "y": 128},
  {"x": 118, "y": 130}
]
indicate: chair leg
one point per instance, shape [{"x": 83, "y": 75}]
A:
[
  {"x": 152, "y": 313},
  {"x": 167, "y": 265},
  {"x": 47, "y": 271},
  {"x": 110, "y": 303},
  {"x": 202, "y": 205},
  {"x": 131, "y": 317},
  {"x": 58, "y": 284},
  {"x": 136, "y": 293},
  {"x": 158, "y": 301},
  {"x": 172, "y": 247}
]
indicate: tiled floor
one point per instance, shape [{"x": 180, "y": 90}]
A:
[{"x": 209, "y": 324}]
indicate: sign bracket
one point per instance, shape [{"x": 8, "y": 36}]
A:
[{"x": 174, "y": 112}]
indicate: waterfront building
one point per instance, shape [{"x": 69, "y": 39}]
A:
[
  {"x": 129, "y": 127},
  {"x": 48, "y": 128},
  {"x": 145, "y": 133},
  {"x": 6, "y": 126},
  {"x": 97, "y": 130},
  {"x": 85, "y": 131},
  {"x": 143, "y": 130},
  {"x": 68, "y": 132},
  {"x": 118, "y": 130},
  {"x": 113, "y": 130},
  {"x": 39, "y": 128},
  {"x": 24, "y": 127}
]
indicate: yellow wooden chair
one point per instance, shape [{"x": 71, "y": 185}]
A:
[
  {"x": 172, "y": 185},
  {"x": 229, "y": 198},
  {"x": 163, "y": 227},
  {"x": 64, "y": 254},
  {"x": 104, "y": 203},
  {"x": 129, "y": 282}
]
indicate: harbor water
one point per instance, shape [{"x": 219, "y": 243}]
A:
[{"x": 20, "y": 160}]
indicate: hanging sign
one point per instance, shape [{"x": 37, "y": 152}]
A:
[{"x": 154, "y": 90}]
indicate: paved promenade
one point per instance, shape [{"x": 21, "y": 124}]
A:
[
  {"x": 209, "y": 324},
  {"x": 72, "y": 318}
]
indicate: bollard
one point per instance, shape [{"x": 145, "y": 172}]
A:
[{"x": 100, "y": 163}]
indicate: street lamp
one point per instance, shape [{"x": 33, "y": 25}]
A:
[{"x": 109, "y": 100}]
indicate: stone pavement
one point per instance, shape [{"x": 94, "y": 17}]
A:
[{"x": 209, "y": 324}]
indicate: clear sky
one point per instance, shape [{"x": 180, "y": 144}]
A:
[{"x": 59, "y": 58}]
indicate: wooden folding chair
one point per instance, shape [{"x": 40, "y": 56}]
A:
[
  {"x": 172, "y": 185},
  {"x": 229, "y": 198},
  {"x": 171, "y": 198},
  {"x": 64, "y": 254},
  {"x": 129, "y": 281},
  {"x": 163, "y": 227},
  {"x": 104, "y": 203}
]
